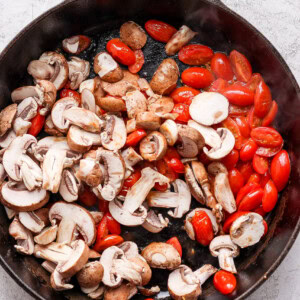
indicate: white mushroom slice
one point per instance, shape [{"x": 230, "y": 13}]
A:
[
  {"x": 79, "y": 70},
  {"x": 50, "y": 128},
  {"x": 31, "y": 221},
  {"x": 17, "y": 197},
  {"x": 54, "y": 252},
  {"x": 205, "y": 272},
  {"x": 223, "y": 248},
  {"x": 7, "y": 139},
  {"x": 90, "y": 172},
  {"x": 66, "y": 231},
  {"x": 247, "y": 230},
  {"x": 69, "y": 186},
  {"x": 209, "y": 108},
  {"x": 147, "y": 120},
  {"x": 124, "y": 291},
  {"x": 149, "y": 292},
  {"x": 97, "y": 216},
  {"x": 24, "y": 92},
  {"x": 23, "y": 236},
  {"x": 131, "y": 158},
  {"x": 88, "y": 84},
  {"x": 59, "y": 283},
  {"x": 145, "y": 87},
  {"x": 47, "y": 236},
  {"x": 21, "y": 126},
  {"x": 227, "y": 144},
  {"x": 49, "y": 266},
  {"x": 57, "y": 113},
  {"x": 27, "y": 109},
  {"x": 46, "y": 91},
  {"x": 88, "y": 100},
  {"x": 7, "y": 116},
  {"x": 170, "y": 131},
  {"x": 114, "y": 135},
  {"x": 130, "y": 249},
  {"x": 131, "y": 125},
  {"x": 84, "y": 221},
  {"x": 10, "y": 212},
  {"x": 98, "y": 293},
  {"x": 155, "y": 223},
  {"x": 135, "y": 102},
  {"x": 179, "y": 39}
]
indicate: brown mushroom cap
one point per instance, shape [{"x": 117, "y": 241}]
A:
[
  {"x": 162, "y": 105},
  {"x": 146, "y": 270},
  {"x": 90, "y": 275},
  {"x": 124, "y": 292},
  {"x": 110, "y": 103},
  {"x": 133, "y": 35},
  {"x": 76, "y": 44},
  {"x": 6, "y": 117},
  {"x": 147, "y": 120}
]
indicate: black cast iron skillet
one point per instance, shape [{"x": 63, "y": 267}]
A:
[{"x": 218, "y": 28}]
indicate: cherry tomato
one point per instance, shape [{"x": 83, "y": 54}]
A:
[
  {"x": 268, "y": 151},
  {"x": 266, "y": 137},
  {"x": 240, "y": 66},
  {"x": 204, "y": 158},
  {"x": 236, "y": 110},
  {"x": 265, "y": 178},
  {"x": 103, "y": 205},
  {"x": 262, "y": 100},
  {"x": 102, "y": 230},
  {"x": 252, "y": 200},
  {"x": 231, "y": 218},
  {"x": 197, "y": 77},
  {"x": 230, "y": 124},
  {"x": 139, "y": 62},
  {"x": 130, "y": 181},
  {"x": 218, "y": 85},
  {"x": 171, "y": 153},
  {"x": 112, "y": 225},
  {"x": 224, "y": 282},
  {"x": 260, "y": 164},
  {"x": 255, "y": 79},
  {"x": 280, "y": 169},
  {"x": 87, "y": 197},
  {"x": 184, "y": 94},
  {"x": 164, "y": 169},
  {"x": 253, "y": 120},
  {"x": 120, "y": 52},
  {"x": 183, "y": 112},
  {"x": 248, "y": 150},
  {"x": 159, "y": 30},
  {"x": 231, "y": 159},
  {"x": 243, "y": 125},
  {"x": 270, "y": 116},
  {"x": 108, "y": 241},
  {"x": 203, "y": 228},
  {"x": 249, "y": 187},
  {"x": 256, "y": 178},
  {"x": 266, "y": 227},
  {"x": 220, "y": 66},
  {"x": 245, "y": 168},
  {"x": 70, "y": 93},
  {"x": 161, "y": 187},
  {"x": 134, "y": 138},
  {"x": 270, "y": 197},
  {"x": 195, "y": 54},
  {"x": 236, "y": 180},
  {"x": 37, "y": 124},
  {"x": 239, "y": 95},
  {"x": 176, "y": 165},
  {"x": 260, "y": 211},
  {"x": 176, "y": 244}
]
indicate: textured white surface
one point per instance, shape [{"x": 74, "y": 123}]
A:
[{"x": 279, "y": 21}]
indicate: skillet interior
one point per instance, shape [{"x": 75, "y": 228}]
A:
[{"x": 218, "y": 29}]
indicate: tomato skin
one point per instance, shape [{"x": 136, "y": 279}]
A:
[
  {"x": 197, "y": 77},
  {"x": 252, "y": 200},
  {"x": 280, "y": 169},
  {"x": 236, "y": 180},
  {"x": 262, "y": 100},
  {"x": 268, "y": 151},
  {"x": 112, "y": 225},
  {"x": 195, "y": 54},
  {"x": 164, "y": 169},
  {"x": 103, "y": 205},
  {"x": 240, "y": 65},
  {"x": 255, "y": 79},
  {"x": 176, "y": 244},
  {"x": 236, "y": 110},
  {"x": 230, "y": 124},
  {"x": 248, "y": 150},
  {"x": 246, "y": 169},
  {"x": 183, "y": 112},
  {"x": 256, "y": 178},
  {"x": 135, "y": 137},
  {"x": 239, "y": 95},
  {"x": 253, "y": 120},
  {"x": 266, "y": 137},
  {"x": 270, "y": 197},
  {"x": 220, "y": 66},
  {"x": 184, "y": 94},
  {"x": 159, "y": 30},
  {"x": 87, "y": 197},
  {"x": 37, "y": 124},
  {"x": 176, "y": 165},
  {"x": 270, "y": 116},
  {"x": 171, "y": 153},
  {"x": 108, "y": 241},
  {"x": 260, "y": 164},
  {"x": 120, "y": 52},
  {"x": 231, "y": 218},
  {"x": 260, "y": 211},
  {"x": 130, "y": 181},
  {"x": 231, "y": 159},
  {"x": 139, "y": 62},
  {"x": 203, "y": 228},
  {"x": 224, "y": 282},
  {"x": 243, "y": 125},
  {"x": 265, "y": 178},
  {"x": 218, "y": 85},
  {"x": 245, "y": 190},
  {"x": 70, "y": 93},
  {"x": 161, "y": 187}
]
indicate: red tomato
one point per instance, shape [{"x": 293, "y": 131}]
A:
[
  {"x": 204, "y": 159},
  {"x": 253, "y": 120},
  {"x": 102, "y": 230},
  {"x": 184, "y": 94},
  {"x": 70, "y": 93},
  {"x": 236, "y": 180},
  {"x": 130, "y": 181},
  {"x": 266, "y": 137},
  {"x": 231, "y": 218},
  {"x": 120, "y": 52},
  {"x": 239, "y": 95},
  {"x": 230, "y": 124},
  {"x": 262, "y": 100},
  {"x": 108, "y": 241},
  {"x": 243, "y": 125},
  {"x": 245, "y": 190},
  {"x": 260, "y": 164},
  {"x": 87, "y": 197},
  {"x": 255, "y": 79},
  {"x": 203, "y": 228},
  {"x": 195, "y": 54},
  {"x": 176, "y": 165},
  {"x": 37, "y": 124},
  {"x": 159, "y": 30},
  {"x": 134, "y": 138},
  {"x": 183, "y": 112},
  {"x": 252, "y": 200},
  {"x": 220, "y": 66},
  {"x": 256, "y": 178},
  {"x": 236, "y": 110},
  {"x": 171, "y": 153},
  {"x": 176, "y": 244},
  {"x": 112, "y": 225},
  {"x": 248, "y": 150},
  {"x": 197, "y": 77},
  {"x": 270, "y": 196},
  {"x": 246, "y": 169},
  {"x": 265, "y": 178},
  {"x": 224, "y": 282},
  {"x": 240, "y": 66},
  {"x": 139, "y": 62},
  {"x": 218, "y": 85},
  {"x": 231, "y": 159},
  {"x": 270, "y": 116},
  {"x": 280, "y": 169},
  {"x": 266, "y": 227},
  {"x": 260, "y": 211},
  {"x": 161, "y": 187},
  {"x": 268, "y": 152},
  {"x": 164, "y": 169}
]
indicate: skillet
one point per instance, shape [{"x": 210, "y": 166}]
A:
[{"x": 220, "y": 29}]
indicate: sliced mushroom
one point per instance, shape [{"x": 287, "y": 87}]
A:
[
  {"x": 162, "y": 105},
  {"x": 49, "y": 266},
  {"x": 27, "y": 109},
  {"x": 79, "y": 70},
  {"x": 32, "y": 221},
  {"x": 83, "y": 220},
  {"x": 76, "y": 44},
  {"x": 145, "y": 87},
  {"x": 133, "y": 35},
  {"x": 10, "y": 212},
  {"x": 205, "y": 272},
  {"x": 170, "y": 131},
  {"x": 247, "y": 230},
  {"x": 54, "y": 252},
  {"x": 223, "y": 248},
  {"x": 155, "y": 223},
  {"x": 90, "y": 172},
  {"x": 97, "y": 216},
  {"x": 135, "y": 102},
  {"x": 131, "y": 125},
  {"x": 179, "y": 39},
  {"x": 130, "y": 249},
  {"x": 98, "y": 293},
  {"x": 88, "y": 100},
  {"x": 153, "y": 147},
  {"x": 69, "y": 186},
  {"x": 112, "y": 104},
  {"x": 7, "y": 116},
  {"x": 90, "y": 275},
  {"x": 21, "y": 126},
  {"x": 60, "y": 283},
  {"x": 8, "y": 137},
  {"x": 147, "y": 120},
  {"x": 124, "y": 292},
  {"x": 47, "y": 236},
  {"x": 131, "y": 158},
  {"x": 50, "y": 128}
]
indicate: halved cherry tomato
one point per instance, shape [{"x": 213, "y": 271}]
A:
[
  {"x": 254, "y": 178},
  {"x": 260, "y": 211},
  {"x": 270, "y": 197},
  {"x": 161, "y": 187},
  {"x": 112, "y": 225},
  {"x": 139, "y": 62},
  {"x": 171, "y": 153},
  {"x": 120, "y": 52},
  {"x": 231, "y": 218},
  {"x": 159, "y": 30},
  {"x": 164, "y": 169},
  {"x": 243, "y": 125},
  {"x": 245, "y": 190},
  {"x": 197, "y": 77},
  {"x": 248, "y": 150},
  {"x": 176, "y": 165},
  {"x": 253, "y": 120},
  {"x": 265, "y": 178},
  {"x": 224, "y": 282},
  {"x": 183, "y": 112},
  {"x": 231, "y": 159},
  {"x": 230, "y": 124},
  {"x": 266, "y": 227},
  {"x": 102, "y": 230},
  {"x": 236, "y": 110},
  {"x": 70, "y": 93},
  {"x": 37, "y": 124},
  {"x": 252, "y": 200},
  {"x": 103, "y": 205},
  {"x": 255, "y": 79},
  {"x": 240, "y": 66},
  {"x": 266, "y": 137},
  {"x": 134, "y": 138},
  {"x": 130, "y": 181},
  {"x": 246, "y": 169},
  {"x": 270, "y": 116},
  {"x": 218, "y": 85},
  {"x": 262, "y": 100},
  {"x": 204, "y": 158},
  {"x": 220, "y": 66},
  {"x": 176, "y": 244},
  {"x": 260, "y": 164},
  {"x": 203, "y": 228},
  {"x": 87, "y": 197},
  {"x": 236, "y": 180},
  {"x": 108, "y": 241},
  {"x": 280, "y": 169},
  {"x": 268, "y": 151},
  {"x": 239, "y": 95},
  {"x": 195, "y": 55},
  {"x": 184, "y": 94}
]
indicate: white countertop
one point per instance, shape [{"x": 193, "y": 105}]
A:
[{"x": 279, "y": 21}]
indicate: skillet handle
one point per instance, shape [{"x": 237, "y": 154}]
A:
[{"x": 218, "y": 2}]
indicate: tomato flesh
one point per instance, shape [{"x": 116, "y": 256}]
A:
[
  {"x": 230, "y": 124},
  {"x": 139, "y": 62},
  {"x": 203, "y": 228},
  {"x": 183, "y": 112},
  {"x": 37, "y": 124},
  {"x": 260, "y": 164},
  {"x": 240, "y": 66},
  {"x": 195, "y": 55},
  {"x": 135, "y": 137},
  {"x": 220, "y": 66},
  {"x": 266, "y": 137},
  {"x": 176, "y": 244},
  {"x": 224, "y": 282}
]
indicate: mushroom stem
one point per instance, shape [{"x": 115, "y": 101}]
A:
[
  {"x": 226, "y": 261},
  {"x": 205, "y": 272}
]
